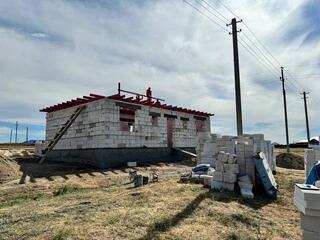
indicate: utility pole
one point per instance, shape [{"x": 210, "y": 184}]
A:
[
  {"x": 285, "y": 109},
  {"x": 16, "y": 137},
  {"x": 11, "y": 136},
  {"x": 304, "y": 94},
  {"x": 237, "y": 74},
  {"x": 27, "y": 133}
]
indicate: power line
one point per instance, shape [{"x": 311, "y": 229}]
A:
[
  {"x": 259, "y": 49},
  {"x": 254, "y": 52},
  {"x": 256, "y": 56},
  {"x": 257, "y": 39},
  {"x": 264, "y": 60},
  {"x": 205, "y": 15},
  {"x": 266, "y": 63},
  {"x": 224, "y": 19},
  {"x": 214, "y": 9},
  {"x": 229, "y": 9},
  {"x": 261, "y": 43}
]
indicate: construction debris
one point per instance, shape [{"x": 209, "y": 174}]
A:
[
  {"x": 139, "y": 180},
  {"x": 201, "y": 173},
  {"x": 131, "y": 164}
]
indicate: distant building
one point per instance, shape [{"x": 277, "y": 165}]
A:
[{"x": 113, "y": 130}]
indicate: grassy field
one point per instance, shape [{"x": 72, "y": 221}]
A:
[{"x": 104, "y": 205}]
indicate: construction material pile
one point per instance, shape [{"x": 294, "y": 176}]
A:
[
  {"x": 9, "y": 168},
  {"x": 237, "y": 161},
  {"x": 14, "y": 154},
  {"x": 290, "y": 160},
  {"x": 307, "y": 200},
  {"x": 244, "y": 146}
]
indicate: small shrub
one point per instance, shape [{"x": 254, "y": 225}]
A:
[
  {"x": 244, "y": 220},
  {"x": 20, "y": 199},
  {"x": 62, "y": 235},
  {"x": 233, "y": 236},
  {"x": 66, "y": 189}
]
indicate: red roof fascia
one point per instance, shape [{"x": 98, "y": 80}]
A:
[
  {"x": 72, "y": 103},
  {"x": 95, "y": 97},
  {"x": 88, "y": 97}
]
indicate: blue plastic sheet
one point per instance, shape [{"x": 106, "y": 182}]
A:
[{"x": 314, "y": 174}]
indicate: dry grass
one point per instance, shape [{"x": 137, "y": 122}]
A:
[
  {"x": 104, "y": 206},
  {"x": 77, "y": 204}
]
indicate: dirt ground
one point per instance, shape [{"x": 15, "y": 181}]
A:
[
  {"x": 10, "y": 154},
  {"x": 293, "y": 160},
  {"x": 45, "y": 202}
]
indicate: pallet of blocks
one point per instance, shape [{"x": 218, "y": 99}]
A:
[{"x": 307, "y": 200}]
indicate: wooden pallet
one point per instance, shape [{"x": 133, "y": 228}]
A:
[{"x": 61, "y": 132}]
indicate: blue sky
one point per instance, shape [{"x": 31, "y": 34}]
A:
[{"x": 52, "y": 51}]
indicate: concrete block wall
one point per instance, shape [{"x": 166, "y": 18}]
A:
[{"x": 98, "y": 126}]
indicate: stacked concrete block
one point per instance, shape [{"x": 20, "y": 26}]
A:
[
  {"x": 245, "y": 153},
  {"x": 245, "y": 147},
  {"x": 226, "y": 170},
  {"x": 226, "y": 144},
  {"x": 307, "y": 200},
  {"x": 207, "y": 155},
  {"x": 311, "y": 157}
]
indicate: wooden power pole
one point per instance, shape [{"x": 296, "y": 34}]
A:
[
  {"x": 11, "y": 136},
  {"x": 285, "y": 110},
  {"x": 304, "y": 94},
  {"x": 27, "y": 134},
  {"x": 237, "y": 74},
  {"x": 16, "y": 135}
]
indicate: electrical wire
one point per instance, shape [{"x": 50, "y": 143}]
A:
[
  {"x": 205, "y": 15},
  {"x": 261, "y": 43},
  {"x": 221, "y": 17},
  {"x": 245, "y": 45}
]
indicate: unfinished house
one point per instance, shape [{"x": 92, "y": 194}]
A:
[{"x": 109, "y": 131}]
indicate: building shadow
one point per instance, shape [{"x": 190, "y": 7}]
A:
[
  {"x": 34, "y": 170},
  {"x": 166, "y": 224}
]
